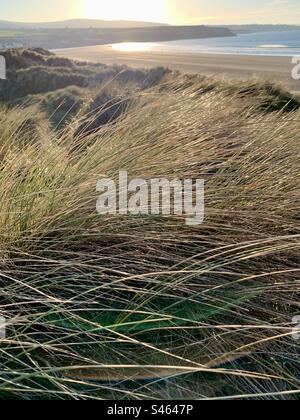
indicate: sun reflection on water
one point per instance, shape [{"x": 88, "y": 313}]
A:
[{"x": 133, "y": 46}]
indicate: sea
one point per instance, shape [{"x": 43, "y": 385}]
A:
[{"x": 285, "y": 43}]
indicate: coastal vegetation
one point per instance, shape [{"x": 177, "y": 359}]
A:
[{"x": 139, "y": 307}]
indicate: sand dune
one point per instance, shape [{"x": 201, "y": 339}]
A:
[{"x": 229, "y": 66}]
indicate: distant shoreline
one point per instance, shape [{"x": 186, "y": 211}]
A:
[
  {"x": 183, "y": 53},
  {"x": 230, "y": 66}
]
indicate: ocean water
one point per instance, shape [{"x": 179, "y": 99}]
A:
[{"x": 264, "y": 43}]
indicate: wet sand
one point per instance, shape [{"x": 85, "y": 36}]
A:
[{"x": 277, "y": 69}]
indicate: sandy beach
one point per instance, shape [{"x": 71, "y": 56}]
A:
[{"x": 277, "y": 69}]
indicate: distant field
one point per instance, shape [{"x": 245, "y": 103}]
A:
[
  {"x": 20, "y": 34},
  {"x": 8, "y": 34}
]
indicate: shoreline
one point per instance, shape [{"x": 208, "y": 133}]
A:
[
  {"x": 229, "y": 66},
  {"x": 110, "y": 47}
]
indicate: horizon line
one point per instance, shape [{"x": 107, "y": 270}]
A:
[{"x": 144, "y": 21}]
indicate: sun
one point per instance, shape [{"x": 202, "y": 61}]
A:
[{"x": 141, "y": 10}]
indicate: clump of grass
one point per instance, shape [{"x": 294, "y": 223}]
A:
[
  {"x": 36, "y": 71},
  {"x": 265, "y": 95},
  {"x": 135, "y": 307}
]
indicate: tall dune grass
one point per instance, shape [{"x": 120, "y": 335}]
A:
[{"x": 146, "y": 307}]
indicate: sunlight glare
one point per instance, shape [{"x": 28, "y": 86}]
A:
[
  {"x": 133, "y": 46},
  {"x": 154, "y": 10}
]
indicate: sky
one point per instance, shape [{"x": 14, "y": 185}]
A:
[{"x": 169, "y": 11}]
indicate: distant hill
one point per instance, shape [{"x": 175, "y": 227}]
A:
[
  {"x": 254, "y": 28},
  {"x": 66, "y": 37},
  {"x": 79, "y": 24}
]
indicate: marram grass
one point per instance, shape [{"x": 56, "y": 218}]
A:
[{"x": 146, "y": 307}]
